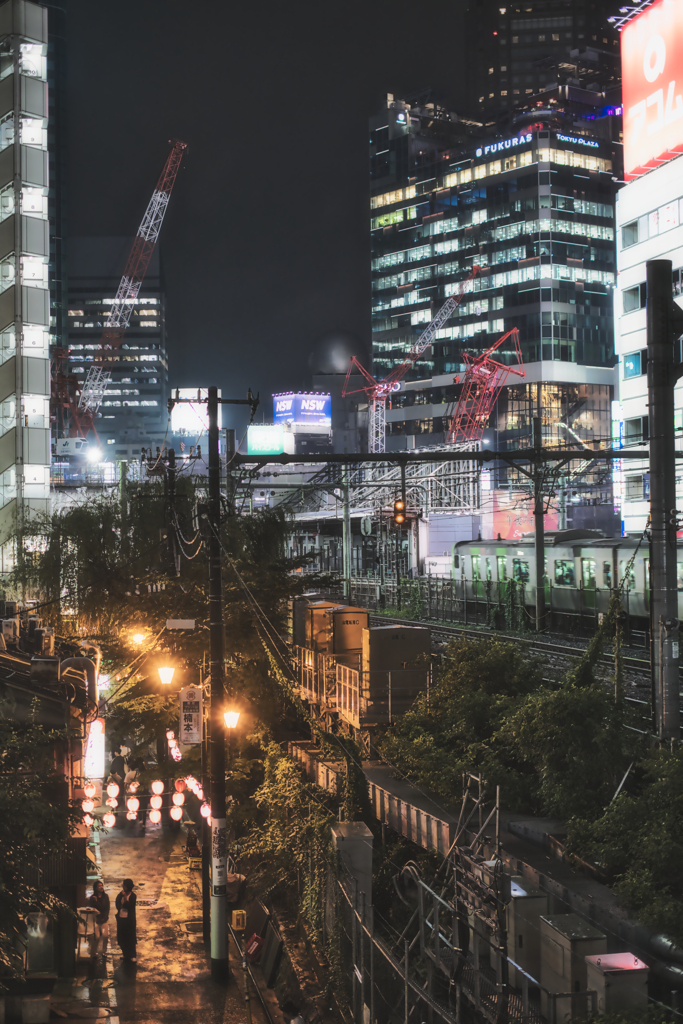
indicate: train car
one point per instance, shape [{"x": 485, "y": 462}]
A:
[{"x": 582, "y": 567}]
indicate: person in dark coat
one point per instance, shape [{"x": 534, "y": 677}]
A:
[
  {"x": 100, "y": 901},
  {"x": 126, "y": 929}
]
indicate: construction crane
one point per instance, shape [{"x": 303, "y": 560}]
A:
[
  {"x": 481, "y": 384},
  {"x": 84, "y": 406},
  {"x": 379, "y": 391}
]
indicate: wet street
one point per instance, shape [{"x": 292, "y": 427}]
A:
[{"x": 171, "y": 983}]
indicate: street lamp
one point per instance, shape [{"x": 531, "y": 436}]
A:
[
  {"x": 139, "y": 638},
  {"x": 231, "y": 719},
  {"x": 166, "y": 673}
]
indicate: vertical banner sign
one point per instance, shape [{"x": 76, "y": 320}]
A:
[
  {"x": 191, "y": 715},
  {"x": 219, "y": 857},
  {"x": 94, "y": 751}
]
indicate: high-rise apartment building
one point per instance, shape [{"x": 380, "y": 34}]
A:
[
  {"x": 133, "y": 413},
  {"x": 515, "y": 50},
  {"x": 24, "y": 257},
  {"x": 535, "y": 211}
]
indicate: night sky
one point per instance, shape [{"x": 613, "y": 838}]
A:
[{"x": 266, "y": 244}]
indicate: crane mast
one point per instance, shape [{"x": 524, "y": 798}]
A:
[
  {"x": 99, "y": 374},
  {"x": 379, "y": 391}
]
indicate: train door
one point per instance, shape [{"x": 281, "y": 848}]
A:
[
  {"x": 589, "y": 583},
  {"x": 502, "y": 574},
  {"x": 477, "y": 585}
]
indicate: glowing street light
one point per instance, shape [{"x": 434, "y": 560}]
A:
[
  {"x": 231, "y": 719},
  {"x": 139, "y": 638},
  {"x": 166, "y": 673}
]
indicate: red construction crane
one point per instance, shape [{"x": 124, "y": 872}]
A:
[
  {"x": 83, "y": 404},
  {"x": 379, "y": 391},
  {"x": 481, "y": 384}
]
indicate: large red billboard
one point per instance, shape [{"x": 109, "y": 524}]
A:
[{"x": 652, "y": 70}]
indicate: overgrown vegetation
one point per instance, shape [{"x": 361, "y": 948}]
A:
[{"x": 34, "y": 823}]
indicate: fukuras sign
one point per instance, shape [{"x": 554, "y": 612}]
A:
[
  {"x": 652, "y": 72},
  {"x": 303, "y": 408},
  {"x": 191, "y": 715},
  {"x": 499, "y": 147}
]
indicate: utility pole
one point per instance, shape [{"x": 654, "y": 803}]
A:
[
  {"x": 346, "y": 533},
  {"x": 664, "y": 327},
  {"x": 219, "y": 847},
  {"x": 219, "y": 839},
  {"x": 539, "y": 536},
  {"x": 229, "y": 478}
]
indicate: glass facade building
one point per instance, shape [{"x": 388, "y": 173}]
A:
[
  {"x": 24, "y": 258},
  {"x": 515, "y": 49},
  {"x": 133, "y": 413},
  {"x": 535, "y": 211}
]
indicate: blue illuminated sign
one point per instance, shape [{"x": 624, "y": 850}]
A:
[
  {"x": 303, "y": 408},
  {"x": 498, "y": 147},
  {"x": 578, "y": 140}
]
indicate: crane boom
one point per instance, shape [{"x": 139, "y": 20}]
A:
[
  {"x": 379, "y": 391},
  {"x": 99, "y": 374}
]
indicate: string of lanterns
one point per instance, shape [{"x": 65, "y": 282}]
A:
[{"x": 133, "y": 803}]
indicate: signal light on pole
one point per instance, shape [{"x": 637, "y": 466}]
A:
[{"x": 399, "y": 511}]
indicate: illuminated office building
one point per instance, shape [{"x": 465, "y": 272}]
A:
[
  {"x": 133, "y": 413},
  {"x": 24, "y": 257},
  {"x": 516, "y": 50},
  {"x": 535, "y": 211}
]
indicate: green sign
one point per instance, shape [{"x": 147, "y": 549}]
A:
[{"x": 266, "y": 439}]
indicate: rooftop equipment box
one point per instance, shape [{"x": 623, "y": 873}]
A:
[
  {"x": 347, "y": 632},
  {"x": 299, "y": 607},
  {"x": 318, "y": 626},
  {"x": 527, "y": 904},
  {"x": 566, "y": 941},
  {"x": 396, "y": 664},
  {"x": 620, "y": 979}
]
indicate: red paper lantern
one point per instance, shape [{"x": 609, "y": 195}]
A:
[
  {"x": 88, "y": 806},
  {"x": 156, "y": 802},
  {"x": 179, "y": 799},
  {"x": 88, "y": 820},
  {"x": 133, "y": 804},
  {"x": 155, "y": 817},
  {"x": 109, "y": 820},
  {"x": 157, "y": 787},
  {"x": 205, "y": 810},
  {"x": 176, "y": 813},
  {"x": 180, "y": 785},
  {"x": 113, "y": 789},
  {"x": 90, "y": 789}
]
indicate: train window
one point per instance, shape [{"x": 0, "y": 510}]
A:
[
  {"x": 607, "y": 574},
  {"x": 564, "y": 573},
  {"x": 520, "y": 570},
  {"x": 476, "y": 567},
  {"x": 456, "y": 561},
  {"x": 631, "y": 581},
  {"x": 502, "y": 567},
  {"x": 679, "y": 575},
  {"x": 489, "y": 568},
  {"x": 588, "y": 571}
]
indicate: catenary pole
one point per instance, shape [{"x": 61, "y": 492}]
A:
[
  {"x": 219, "y": 906},
  {"x": 346, "y": 533},
  {"x": 663, "y": 327},
  {"x": 539, "y": 536}
]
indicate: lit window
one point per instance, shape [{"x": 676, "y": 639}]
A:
[
  {"x": 528, "y": 90},
  {"x": 503, "y": 92},
  {"x": 503, "y": 67},
  {"x": 481, "y": 99},
  {"x": 148, "y": 323},
  {"x": 490, "y": 71},
  {"x": 491, "y": 95},
  {"x": 541, "y": 38},
  {"x": 76, "y": 312},
  {"x": 556, "y": 37},
  {"x": 515, "y": 92},
  {"x": 515, "y": 39},
  {"x": 632, "y": 365}
]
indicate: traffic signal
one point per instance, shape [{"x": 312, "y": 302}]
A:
[{"x": 399, "y": 511}]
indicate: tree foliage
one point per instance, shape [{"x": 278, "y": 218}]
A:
[
  {"x": 35, "y": 821},
  {"x": 638, "y": 841},
  {"x": 557, "y": 751}
]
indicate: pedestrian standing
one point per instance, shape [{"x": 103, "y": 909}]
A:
[
  {"x": 126, "y": 932},
  {"x": 100, "y": 901}
]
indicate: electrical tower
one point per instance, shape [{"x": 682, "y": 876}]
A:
[
  {"x": 83, "y": 406},
  {"x": 379, "y": 391}
]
